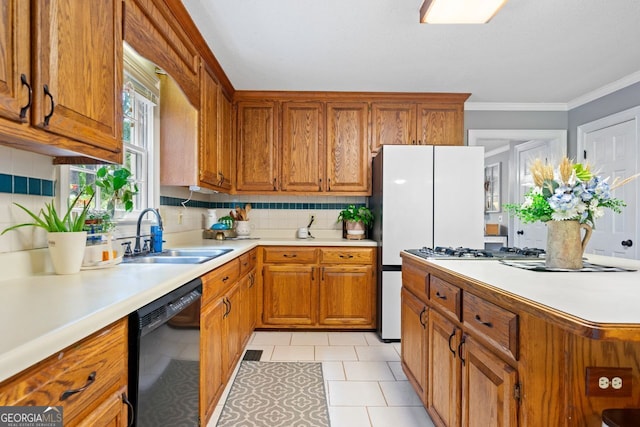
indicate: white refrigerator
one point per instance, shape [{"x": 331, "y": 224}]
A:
[{"x": 422, "y": 195}]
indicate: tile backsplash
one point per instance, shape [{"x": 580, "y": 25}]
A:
[{"x": 30, "y": 180}]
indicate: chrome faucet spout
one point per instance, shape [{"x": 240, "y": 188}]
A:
[{"x": 137, "y": 248}]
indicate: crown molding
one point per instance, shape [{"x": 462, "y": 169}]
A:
[
  {"x": 604, "y": 90},
  {"x": 514, "y": 106}
]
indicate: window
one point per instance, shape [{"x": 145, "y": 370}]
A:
[{"x": 138, "y": 105}]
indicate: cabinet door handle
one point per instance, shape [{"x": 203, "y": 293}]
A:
[
  {"x": 348, "y": 256},
  {"x": 453, "y": 334},
  {"x": 227, "y": 308},
  {"x": 329, "y": 184},
  {"x": 225, "y": 278},
  {"x": 424, "y": 310},
  {"x": 68, "y": 393},
  {"x": 274, "y": 184},
  {"x": 460, "y": 351},
  {"x": 23, "y": 110},
  {"x": 313, "y": 273},
  {"x": 131, "y": 415},
  {"x": 53, "y": 105},
  {"x": 439, "y": 295},
  {"x": 479, "y": 320},
  {"x": 289, "y": 255},
  {"x": 319, "y": 184}
]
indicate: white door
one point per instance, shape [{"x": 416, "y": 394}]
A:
[
  {"x": 533, "y": 235},
  {"x": 612, "y": 152}
]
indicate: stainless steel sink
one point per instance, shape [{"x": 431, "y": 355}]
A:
[{"x": 178, "y": 256}]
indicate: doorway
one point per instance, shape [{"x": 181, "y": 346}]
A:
[
  {"x": 523, "y": 145},
  {"x": 610, "y": 145}
]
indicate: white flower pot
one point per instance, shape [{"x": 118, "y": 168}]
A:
[{"x": 67, "y": 251}]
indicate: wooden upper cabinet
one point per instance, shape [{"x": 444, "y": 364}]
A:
[
  {"x": 392, "y": 124},
  {"x": 257, "y": 165},
  {"x": 208, "y": 132},
  {"x": 77, "y": 81},
  {"x": 302, "y": 146},
  {"x": 441, "y": 124},
  {"x": 226, "y": 157},
  {"x": 348, "y": 164},
  {"x": 14, "y": 59}
]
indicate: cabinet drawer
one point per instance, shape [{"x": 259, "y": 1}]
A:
[
  {"x": 346, "y": 255},
  {"x": 248, "y": 261},
  {"x": 217, "y": 282},
  {"x": 289, "y": 255},
  {"x": 415, "y": 279},
  {"x": 494, "y": 323},
  {"x": 98, "y": 363},
  {"x": 445, "y": 295}
]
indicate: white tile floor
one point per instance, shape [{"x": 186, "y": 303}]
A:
[{"x": 363, "y": 378}]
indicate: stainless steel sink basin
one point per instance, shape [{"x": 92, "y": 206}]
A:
[{"x": 178, "y": 256}]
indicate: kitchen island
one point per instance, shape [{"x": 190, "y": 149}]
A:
[{"x": 490, "y": 344}]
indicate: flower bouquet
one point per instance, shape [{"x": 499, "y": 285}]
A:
[
  {"x": 569, "y": 199},
  {"x": 570, "y": 192}
]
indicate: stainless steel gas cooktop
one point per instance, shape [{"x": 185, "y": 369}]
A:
[{"x": 440, "y": 252}]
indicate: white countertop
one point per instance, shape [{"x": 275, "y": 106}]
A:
[
  {"x": 596, "y": 297},
  {"x": 44, "y": 313}
]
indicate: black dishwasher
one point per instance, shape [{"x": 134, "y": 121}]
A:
[{"x": 164, "y": 359}]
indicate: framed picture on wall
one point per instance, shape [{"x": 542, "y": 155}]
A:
[{"x": 492, "y": 188}]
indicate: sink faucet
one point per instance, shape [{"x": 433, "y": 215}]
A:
[{"x": 136, "y": 249}]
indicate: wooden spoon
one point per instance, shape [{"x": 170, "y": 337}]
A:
[{"x": 247, "y": 208}]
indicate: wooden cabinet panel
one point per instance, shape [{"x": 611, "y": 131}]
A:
[
  {"x": 446, "y": 295},
  {"x": 347, "y": 255},
  {"x": 393, "y": 124},
  {"x": 212, "y": 375},
  {"x": 414, "y": 338},
  {"x": 488, "y": 388},
  {"x": 98, "y": 362},
  {"x": 347, "y": 296},
  {"x": 232, "y": 333},
  {"x": 441, "y": 124},
  {"x": 257, "y": 165},
  {"x": 15, "y": 45},
  {"x": 152, "y": 30},
  {"x": 217, "y": 282},
  {"x": 415, "y": 278},
  {"x": 290, "y": 255},
  {"x": 303, "y": 146},
  {"x": 208, "y": 129},
  {"x": 111, "y": 413},
  {"x": 226, "y": 157},
  {"x": 348, "y": 164},
  {"x": 444, "y": 369},
  {"x": 495, "y": 323},
  {"x": 81, "y": 71},
  {"x": 289, "y": 294}
]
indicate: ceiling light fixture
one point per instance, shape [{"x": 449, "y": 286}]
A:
[{"x": 459, "y": 11}]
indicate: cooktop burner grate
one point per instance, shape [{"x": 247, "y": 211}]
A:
[{"x": 469, "y": 253}]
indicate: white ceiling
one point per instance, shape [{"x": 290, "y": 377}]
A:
[{"x": 532, "y": 51}]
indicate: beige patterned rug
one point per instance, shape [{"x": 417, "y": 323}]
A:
[{"x": 276, "y": 394}]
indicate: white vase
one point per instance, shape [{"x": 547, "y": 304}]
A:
[
  {"x": 243, "y": 229},
  {"x": 67, "y": 251}
]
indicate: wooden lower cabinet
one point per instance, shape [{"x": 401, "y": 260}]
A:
[
  {"x": 444, "y": 367},
  {"x": 318, "y": 288},
  {"x": 414, "y": 338},
  {"x": 290, "y": 295},
  {"x": 346, "y": 296},
  {"x": 488, "y": 388},
  {"x": 88, "y": 379},
  {"x": 227, "y": 320}
]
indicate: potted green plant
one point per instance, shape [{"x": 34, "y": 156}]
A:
[
  {"x": 116, "y": 188},
  {"x": 356, "y": 220},
  {"x": 65, "y": 235}
]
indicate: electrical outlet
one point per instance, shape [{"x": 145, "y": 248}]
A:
[
  {"x": 500, "y": 219},
  {"x": 608, "y": 382}
]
